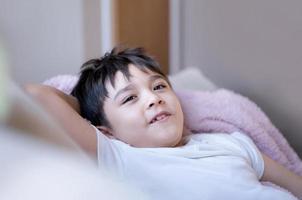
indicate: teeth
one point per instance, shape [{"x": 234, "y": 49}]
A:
[{"x": 158, "y": 118}]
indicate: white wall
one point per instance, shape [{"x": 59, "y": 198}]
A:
[
  {"x": 252, "y": 47},
  {"x": 45, "y": 38}
]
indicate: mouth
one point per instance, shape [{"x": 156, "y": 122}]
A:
[{"x": 160, "y": 117}]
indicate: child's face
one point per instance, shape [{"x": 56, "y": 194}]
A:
[{"x": 144, "y": 110}]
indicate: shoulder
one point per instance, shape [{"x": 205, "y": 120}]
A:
[
  {"x": 235, "y": 142},
  {"x": 214, "y": 137},
  {"x": 110, "y": 152}
]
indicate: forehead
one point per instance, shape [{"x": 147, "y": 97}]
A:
[{"x": 135, "y": 74}]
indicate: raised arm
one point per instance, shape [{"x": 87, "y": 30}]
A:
[
  {"x": 281, "y": 176},
  {"x": 65, "y": 109}
]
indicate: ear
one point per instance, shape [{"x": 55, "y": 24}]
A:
[{"x": 105, "y": 130}]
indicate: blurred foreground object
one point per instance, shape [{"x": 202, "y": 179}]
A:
[
  {"x": 31, "y": 169},
  {"x": 39, "y": 161}
]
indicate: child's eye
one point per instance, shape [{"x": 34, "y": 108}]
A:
[
  {"x": 160, "y": 86},
  {"x": 130, "y": 98}
]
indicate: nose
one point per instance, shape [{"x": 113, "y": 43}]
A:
[{"x": 154, "y": 99}]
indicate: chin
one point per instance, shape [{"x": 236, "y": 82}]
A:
[{"x": 172, "y": 139}]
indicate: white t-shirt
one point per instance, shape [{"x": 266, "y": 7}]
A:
[{"x": 208, "y": 166}]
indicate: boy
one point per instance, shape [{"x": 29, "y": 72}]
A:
[{"x": 138, "y": 129}]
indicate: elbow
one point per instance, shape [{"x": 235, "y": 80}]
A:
[
  {"x": 32, "y": 89},
  {"x": 37, "y": 90}
]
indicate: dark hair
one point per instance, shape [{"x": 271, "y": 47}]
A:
[{"x": 90, "y": 89}]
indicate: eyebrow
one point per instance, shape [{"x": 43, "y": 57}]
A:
[{"x": 131, "y": 86}]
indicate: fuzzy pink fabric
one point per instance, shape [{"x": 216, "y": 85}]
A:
[
  {"x": 65, "y": 82},
  {"x": 222, "y": 111}
]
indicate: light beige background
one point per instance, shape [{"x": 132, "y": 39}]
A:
[
  {"x": 253, "y": 47},
  {"x": 46, "y": 38}
]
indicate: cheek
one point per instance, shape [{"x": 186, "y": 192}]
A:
[
  {"x": 178, "y": 110},
  {"x": 180, "y": 115},
  {"x": 128, "y": 126},
  {"x": 175, "y": 103},
  {"x": 126, "y": 119}
]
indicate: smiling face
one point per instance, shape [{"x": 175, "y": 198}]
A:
[{"x": 144, "y": 110}]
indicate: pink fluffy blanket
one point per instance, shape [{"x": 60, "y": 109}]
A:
[{"x": 223, "y": 111}]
